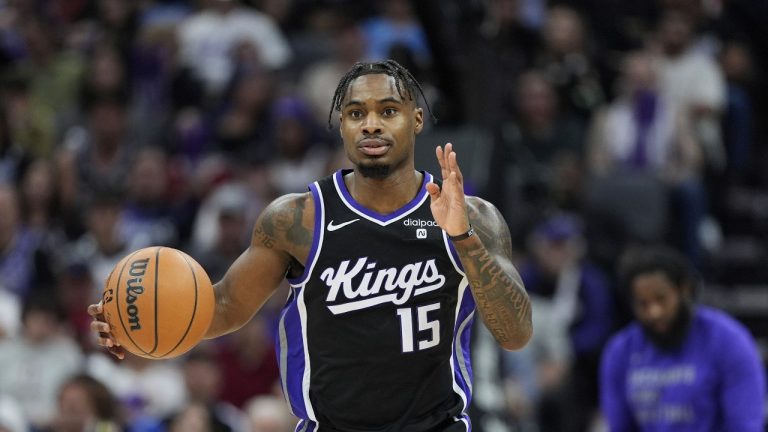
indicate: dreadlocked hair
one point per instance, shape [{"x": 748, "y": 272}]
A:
[{"x": 404, "y": 82}]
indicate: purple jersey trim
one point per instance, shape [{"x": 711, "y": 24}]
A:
[
  {"x": 338, "y": 178},
  {"x": 290, "y": 354},
  {"x": 316, "y": 236},
  {"x": 462, "y": 361}
]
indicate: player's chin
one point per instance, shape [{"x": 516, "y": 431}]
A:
[
  {"x": 374, "y": 169},
  {"x": 660, "y": 328}
]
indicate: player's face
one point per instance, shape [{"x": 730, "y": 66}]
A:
[
  {"x": 378, "y": 125},
  {"x": 657, "y": 302}
]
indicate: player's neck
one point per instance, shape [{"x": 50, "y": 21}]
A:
[{"x": 385, "y": 195}]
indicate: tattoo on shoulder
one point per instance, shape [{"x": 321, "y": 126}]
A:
[
  {"x": 297, "y": 233},
  {"x": 264, "y": 231},
  {"x": 283, "y": 221}
]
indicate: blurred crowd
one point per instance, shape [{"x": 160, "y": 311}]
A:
[{"x": 125, "y": 124}]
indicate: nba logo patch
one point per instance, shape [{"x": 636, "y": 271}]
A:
[{"x": 421, "y": 233}]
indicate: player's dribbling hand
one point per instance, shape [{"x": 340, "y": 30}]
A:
[{"x": 99, "y": 326}]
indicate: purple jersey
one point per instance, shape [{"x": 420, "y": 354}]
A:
[{"x": 715, "y": 382}]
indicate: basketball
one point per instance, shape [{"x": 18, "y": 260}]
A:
[{"x": 158, "y": 302}]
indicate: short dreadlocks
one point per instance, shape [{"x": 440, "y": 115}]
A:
[{"x": 404, "y": 81}]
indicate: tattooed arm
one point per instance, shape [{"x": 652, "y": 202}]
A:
[
  {"x": 486, "y": 257},
  {"x": 282, "y": 237},
  {"x": 498, "y": 290}
]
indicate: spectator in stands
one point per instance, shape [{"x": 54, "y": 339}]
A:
[
  {"x": 118, "y": 23},
  {"x": 102, "y": 246},
  {"x": 203, "y": 382},
  {"x": 217, "y": 184},
  {"x": 502, "y": 47},
  {"x": 31, "y": 127},
  {"x": 24, "y": 263},
  {"x": 738, "y": 124},
  {"x": 566, "y": 60},
  {"x": 39, "y": 199},
  {"x": 693, "y": 82},
  {"x": 643, "y": 133},
  {"x": 54, "y": 76},
  {"x": 96, "y": 155},
  {"x": 247, "y": 361},
  {"x": 13, "y": 158},
  {"x": 545, "y": 131},
  {"x": 208, "y": 39},
  {"x": 10, "y": 315},
  {"x": 737, "y": 64},
  {"x": 243, "y": 130},
  {"x": 573, "y": 300},
  {"x": 195, "y": 417},
  {"x": 76, "y": 287},
  {"x": 642, "y": 130},
  {"x": 268, "y": 413},
  {"x": 317, "y": 81},
  {"x": 301, "y": 154},
  {"x": 504, "y": 388},
  {"x": 395, "y": 25},
  {"x": 34, "y": 365},
  {"x": 84, "y": 404},
  {"x": 514, "y": 40},
  {"x": 537, "y": 157},
  {"x": 146, "y": 390},
  {"x": 679, "y": 366},
  {"x": 147, "y": 217},
  {"x": 40, "y": 210},
  {"x": 11, "y": 416},
  {"x": 226, "y": 214},
  {"x": 105, "y": 73}
]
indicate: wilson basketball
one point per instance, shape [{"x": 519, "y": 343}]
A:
[{"x": 158, "y": 302}]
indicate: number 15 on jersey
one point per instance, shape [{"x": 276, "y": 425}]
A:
[{"x": 426, "y": 333}]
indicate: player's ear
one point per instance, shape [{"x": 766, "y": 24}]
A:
[{"x": 419, "y": 119}]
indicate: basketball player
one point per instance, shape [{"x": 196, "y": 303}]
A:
[{"x": 387, "y": 265}]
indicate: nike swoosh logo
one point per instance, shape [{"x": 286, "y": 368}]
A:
[{"x": 332, "y": 227}]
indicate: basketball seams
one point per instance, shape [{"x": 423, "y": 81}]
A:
[
  {"x": 194, "y": 307},
  {"x": 117, "y": 304},
  {"x": 157, "y": 288}
]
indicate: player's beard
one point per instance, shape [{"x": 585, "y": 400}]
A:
[
  {"x": 673, "y": 338},
  {"x": 374, "y": 171}
]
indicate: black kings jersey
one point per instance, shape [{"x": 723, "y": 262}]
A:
[{"x": 375, "y": 333}]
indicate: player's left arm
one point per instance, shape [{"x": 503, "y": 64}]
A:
[
  {"x": 486, "y": 256},
  {"x": 496, "y": 285}
]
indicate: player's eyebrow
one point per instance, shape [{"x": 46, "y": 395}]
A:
[{"x": 388, "y": 99}]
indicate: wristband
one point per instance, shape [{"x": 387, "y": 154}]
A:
[{"x": 466, "y": 235}]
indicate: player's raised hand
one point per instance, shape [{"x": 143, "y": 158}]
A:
[
  {"x": 448, "y": 206},
  {"x": 99, "y": 326}
]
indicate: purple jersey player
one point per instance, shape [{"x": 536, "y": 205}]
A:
[{"x": 679, "y": 367}]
